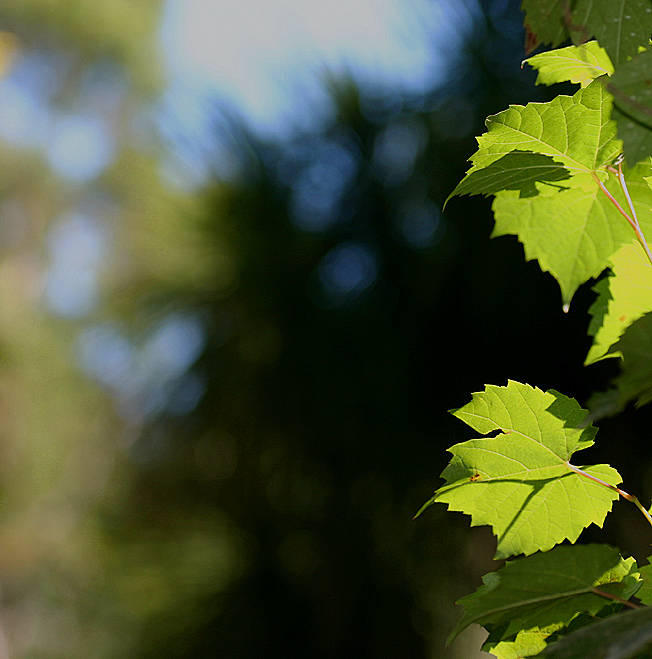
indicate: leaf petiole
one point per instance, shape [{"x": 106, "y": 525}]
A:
[
  {"x": 633, "y": 218},
  {"x": 625, "y": 495}
]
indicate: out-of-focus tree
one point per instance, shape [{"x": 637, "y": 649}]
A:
[
  {"x": 77, "y": 78},
  {"x": 335, "y": 303}
]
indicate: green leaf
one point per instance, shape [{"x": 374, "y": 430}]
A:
[
  {"x": 623, "y": 297},
  {"x": 527, "y": 643},
  {"x": 631, "y": 87},
  {"x": 620, "y": 26},
  {"x": 575, "y": 132},
  {"x": 520, "y": 481},
  {"x": 644, "y": 593},
  {"x": 635, "y": 380},
  {"x": 542, "y": 162},
  {"x": 573, "y": 233},
  {"x": 545, "y": 20},
  {"x": 636, "y": 138},
  {"x": 622, "y": 636},
  {"x": 578, "y": 64},
  {"x": 548, "y": 590},
  {"x": 517, "y": 170}
]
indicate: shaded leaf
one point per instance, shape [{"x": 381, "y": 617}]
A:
[
  {"x": 545, "y": 19},
  {"x": 635, "y": 380},
  {"x": 631, "y": 86},
  {"x": 520, "y": 482},
  {"x": 644, "y": 593},
  {"x": 550, "y": 589},
  {"x": 621, "y": 636},
  {"x": 517, "y": 170},
  {"x": 636, "y": 137},
  {"x": 620, "y": 26}
]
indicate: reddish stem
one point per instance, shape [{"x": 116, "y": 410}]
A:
[
  {"x": 625, "y": 495},
  {"x": 615, "y": 598},
  {"x": 631, "y": 219}
]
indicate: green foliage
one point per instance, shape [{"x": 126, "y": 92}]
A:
[
  {"x": 631, "y": 87},
  {"x": 632, "y": 94},
  {"x": 560, "y": 184},
  {"x": 623, "y": 297},
  {"x": 579, "y": 64},
  {"x": 547, "y": 165},
  {"x": 620, "y": 26},
  {"x": 519, "y": 481},
  {"x": 635, "y": 380},
  {"x": 548, "y": 590},
  {"x": 624, "y": 636}
]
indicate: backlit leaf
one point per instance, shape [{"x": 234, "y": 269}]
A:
[
  {"x": 578, "y": 64},
  {"x": 520, "y": 481},
  {"x": 575, "y": 132},
  {"x": 623, "y": 297},
  {"x": 574, "y": 232}
]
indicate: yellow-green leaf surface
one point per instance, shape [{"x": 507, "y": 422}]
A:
[
  {"x": 575, "y": 132},
  {"x": 574, "y": 232},
  {"x": 527, "y": 643},
  {"x": 578, "y": 64},
  {"x": 520, "y": 481},
  {"x": 548, "y": 590},
  {"x": 623, "y": 297}
]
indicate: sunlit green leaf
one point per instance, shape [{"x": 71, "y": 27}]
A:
[
  {"x": 575, "y": 132},
  {"x": 574, "y": 232},
  {"x": 579, "y": 64},
  {"x": 520, "y": 481},
  {"x": 622, "y": 298}
]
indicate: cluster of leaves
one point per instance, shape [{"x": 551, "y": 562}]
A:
[{"x": 572, "y": 179}]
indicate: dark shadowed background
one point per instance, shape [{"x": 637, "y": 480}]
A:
[{"x": 228, "y": 343}]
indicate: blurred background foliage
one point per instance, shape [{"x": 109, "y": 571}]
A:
[{"x": 223, "y": 401}]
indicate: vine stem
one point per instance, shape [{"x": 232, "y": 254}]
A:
[
  {"x": 631, "y": 219},
  {"x": 625, "y": 495}
]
